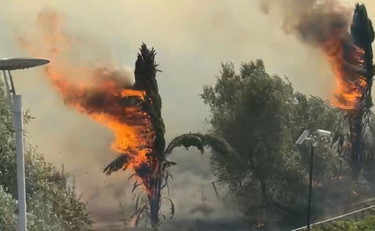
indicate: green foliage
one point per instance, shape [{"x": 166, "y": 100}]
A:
[
  {"x": 367, "y": 224},
  {"x": 7, "y": 209},
  {"x": 261, "y": 116},
  {"x": 51, "y": 203}
]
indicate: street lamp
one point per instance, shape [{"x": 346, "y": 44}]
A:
[
  {"x": 311, "y": 136},
  {"x": 15, "y": 102}
]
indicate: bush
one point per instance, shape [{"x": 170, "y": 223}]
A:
[
  {"x": 367, "y": 224},
  {"x": 7, "y": 209},
  {"x": 261, "y": 116},
  {"x": 51, "y": 203}
]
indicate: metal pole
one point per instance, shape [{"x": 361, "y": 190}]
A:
[
  {"x": 13, "y": 90},
  {"x": 7, "y": 90},
  {"x": 310, "y": 186},
  {"x": 18, "y": 127}
]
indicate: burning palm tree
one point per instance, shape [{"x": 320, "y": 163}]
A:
[
  {"x": 132, "y": 111},
  {"x": 346, "y": 40},
  {"x": 363, "y": 36},
  {"x": 147, "y": 157},
  {"x": 351, "y": 58}
]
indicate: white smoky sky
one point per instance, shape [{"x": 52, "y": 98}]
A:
[{"x": 192, "y": 38}]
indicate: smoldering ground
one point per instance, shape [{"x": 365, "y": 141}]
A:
[{"x": 192, "y": 38}]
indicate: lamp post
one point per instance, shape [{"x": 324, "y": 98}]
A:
[
  {"x": 15, "y": 102},
  {"x": 308, "y": 136}
]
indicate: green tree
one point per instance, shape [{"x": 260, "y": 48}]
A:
[
  {"x": 7, "y": 209},
  {"x": 51, "y": 202},
  {"x": 366, "y": 224},
  {"x": 261, "y": 116}
]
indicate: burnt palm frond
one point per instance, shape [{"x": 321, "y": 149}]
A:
[
  {"x": 119, "y": 163},
  {"x": 215, "y": 189},
  {"x": 136, "y": 185},
  {"x": 137, "y": 216},
  {"x": 145, "y": 79},
  {"x": 201, "y": 141},
  {"x": 172, "y": 206},
  {"x": 166, "y": 176}
]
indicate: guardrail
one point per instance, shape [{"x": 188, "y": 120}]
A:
[{"x": 337, "y": 218}]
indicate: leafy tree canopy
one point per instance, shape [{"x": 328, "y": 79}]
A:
[{"x": 261, "y": 116}]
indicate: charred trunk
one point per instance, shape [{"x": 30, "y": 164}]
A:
[
  {"x": 155, "y": 194},
  {"x": 362, "y": 33},
  {"x": 355, "y": 122},
  {"x": 154, "y": 210}
]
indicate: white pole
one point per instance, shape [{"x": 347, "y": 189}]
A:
[{"x": 18, "y": 125}]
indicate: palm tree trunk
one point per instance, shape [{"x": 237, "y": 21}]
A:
[
  {"x": 356, "y": 129},
  {"x": 155, "y": 195},
  {"x": 154, "y": 211}
]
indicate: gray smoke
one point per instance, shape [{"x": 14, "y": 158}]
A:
[
  {"x": 313, "y": 21},
  {"x": 190, "y": 49}
]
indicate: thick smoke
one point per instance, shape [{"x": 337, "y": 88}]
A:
[
  {"x": 313, "y": 21},
  {"x": 192, "y": 38},
  {"x": 69, "y": 66},
  {"x": 325, "y": 25},
  {"x": 84, "y": 79}
]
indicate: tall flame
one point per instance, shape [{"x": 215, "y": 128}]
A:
[
  {"x": 105, "y": 94},
  {"x": 325, "y": 24},
  {"x": 347, "y": 63}
]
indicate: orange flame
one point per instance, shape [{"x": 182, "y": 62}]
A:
[
  {"x": 106, "y": 94},
  {"x": 347, "y": 64}
]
